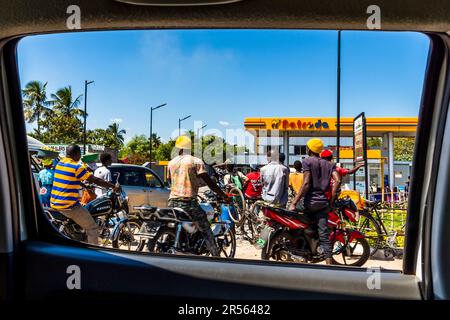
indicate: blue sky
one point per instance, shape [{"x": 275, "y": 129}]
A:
[{"x": 222, "y": 76}]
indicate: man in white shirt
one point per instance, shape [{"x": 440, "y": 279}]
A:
[
  {"x": 103, "y": 172},
  {"x": 275, "y": 180}
]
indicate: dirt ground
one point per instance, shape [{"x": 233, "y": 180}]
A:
[{"x": 245, "y": 250}]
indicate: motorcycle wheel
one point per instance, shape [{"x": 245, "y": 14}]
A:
[
  {"x": 163, "y": 241},
  {"x": 275, "y": 248},
  {"x": 124, "y": 239},
  {"x": 345, "y": 254},
  {"x": 227, "y": 244}
]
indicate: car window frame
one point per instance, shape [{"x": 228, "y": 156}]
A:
[{"x": 37, "y": 209}]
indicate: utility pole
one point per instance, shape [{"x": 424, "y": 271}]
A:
[
  {"x": 179, "y": 124},
  {"x": 151, "y": 129},
  {"x": 198, "y": 130},
  {"x": 338, "y": 104},
  {"x": 86, "y": 83}
]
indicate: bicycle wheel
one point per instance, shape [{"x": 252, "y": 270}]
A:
[
  {"x": 371, "y": 229},
  {"x": 249, "y": 228},
  {"x": 239, "y": 204}
]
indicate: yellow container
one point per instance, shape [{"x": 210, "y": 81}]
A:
[{"x": 355, "y": 196}]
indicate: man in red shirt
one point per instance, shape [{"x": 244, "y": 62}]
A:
[
  {"x": 328, "y": 155},
  {"x": 253, "y": 186}
]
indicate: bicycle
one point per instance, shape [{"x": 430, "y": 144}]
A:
[
  {"x": 237, "y": 197},
  {"x": 371, "y": 224},
  {"x": 254, "y": 220}
]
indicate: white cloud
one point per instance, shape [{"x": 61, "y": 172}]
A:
[
  {"x": 224, "y": 123},
  {"x": 116, "y": 120}
]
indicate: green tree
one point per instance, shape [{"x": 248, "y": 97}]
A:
[
  {"x": 404, "y": 148},
  {"x": 62, "y": 129},
  {"x": 374, "y": 142},
  {"x": 164, "y": 151},
  {"x": 63, "y": 125},
  {"x": 115, "y": 136},
  {"x": 35, "y": 103},
  {"x": 64, "y": 103},
  {"x": 96, "y": 136},
  {"x": 137, "y": 149}
]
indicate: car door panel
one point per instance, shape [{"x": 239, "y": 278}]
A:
[
  {"x": 108, "y": 273},
  {"x": 137, "y": 196},
  {"x": 133, "y": 183},
  {"x": 157, "y": 193}
]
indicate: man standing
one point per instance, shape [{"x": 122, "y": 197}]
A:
[
  {"x": 45, "y": 179},
  {"x": 65, "y": 196},
  {"x": 275, "y": 180},
  {"x": 103, "y": 172},
  {"x": 328, "y": 155},
  {"x": 253, "y": 187},
  {"x": 296, "y": 178},
  {"x": 185, "y": 173},
  {"x": 317, "y": 174},
  {"x": 234, "y": 177}
]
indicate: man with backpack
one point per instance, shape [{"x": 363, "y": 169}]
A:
[{"x": 234, "y": 177}]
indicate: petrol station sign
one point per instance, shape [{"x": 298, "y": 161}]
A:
[{"x": 360, "y": 147}]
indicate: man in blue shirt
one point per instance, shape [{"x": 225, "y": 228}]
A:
[{"x": 45, "y": 179}]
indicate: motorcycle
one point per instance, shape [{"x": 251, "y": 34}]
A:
[
  {"x": 110, "y": 211},
  {"x": 171, "y": 230},
  {"x": 291, "y": 236}
]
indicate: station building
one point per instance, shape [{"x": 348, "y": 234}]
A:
[{"x": 291, "y": 134}]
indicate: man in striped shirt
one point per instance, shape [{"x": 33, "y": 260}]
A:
[{"x": 66, "y": 191}]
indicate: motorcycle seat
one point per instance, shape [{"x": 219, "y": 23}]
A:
[
  {"x": 55, "y": 214},
  {"x": 174, "y": 213},
  {"x": 293, "y": 214},
  {"x": 146, "y": 212}
]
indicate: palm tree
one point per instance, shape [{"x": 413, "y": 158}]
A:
[
  {"x": 64, "y": 103},
  {"x": 35, "y": 103},
  {"x": 117, "y": 134}
]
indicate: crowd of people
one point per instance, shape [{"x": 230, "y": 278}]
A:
[
  {"x": 314, "y": 185},
  {"x": 62, "y": 186}
]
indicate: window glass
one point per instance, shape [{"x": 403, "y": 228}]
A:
[
  {"x": 177, "y": 101},
  {"x": 134, "y": 178},
  {"x": 152, "y": 180}
]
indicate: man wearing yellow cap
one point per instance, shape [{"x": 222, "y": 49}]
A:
[
  {"x": 317, "y": 174},
  {"x": 185, "y": 173},
  {"x": 45, "y": 179}
]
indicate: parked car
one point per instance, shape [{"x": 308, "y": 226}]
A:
[{"x": 142, "y": 185}]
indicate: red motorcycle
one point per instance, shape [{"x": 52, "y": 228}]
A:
[{"x": 291, "y": 236}]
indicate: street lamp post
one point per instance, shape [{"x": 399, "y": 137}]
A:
[
  {"x": 151, "y": 129},
  {"x": 198, "y": 130},
  {"x": 179, "y": 123},
  {"x": 86, "y": 83},
  {"x": 338, "y": 104}
]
